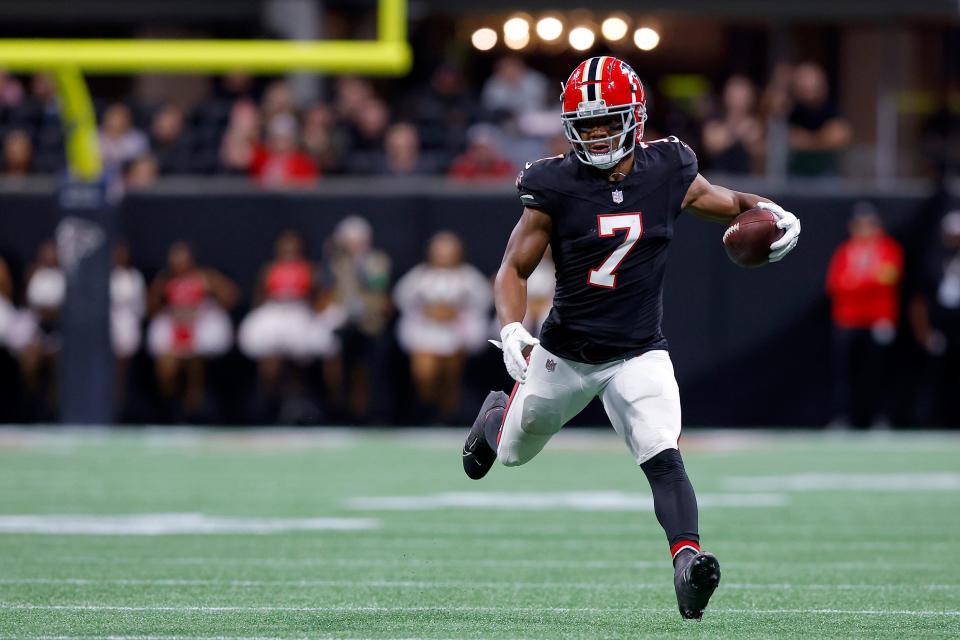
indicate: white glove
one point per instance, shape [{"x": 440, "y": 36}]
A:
[
  {"x": 514, "y": 340},
  {"x": 791, "y": 230}
]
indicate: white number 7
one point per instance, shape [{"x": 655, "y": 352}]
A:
[{"x": 607, "y": 225}]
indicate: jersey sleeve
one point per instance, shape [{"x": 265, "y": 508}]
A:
[
  {"x": 532, "y": 190},
  {"x": 686, "y": 171}
]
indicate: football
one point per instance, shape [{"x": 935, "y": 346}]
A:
[{"x": 748, "y": 238}]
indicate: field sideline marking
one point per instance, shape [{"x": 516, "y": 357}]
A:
[
  {"x": 459, "y": 609},
  {"x": 445, "y": 584}
]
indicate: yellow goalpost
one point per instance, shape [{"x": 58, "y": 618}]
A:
[{"x": 68, "y": 61}]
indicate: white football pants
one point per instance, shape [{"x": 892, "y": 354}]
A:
[{"x": 639, "y": 394}]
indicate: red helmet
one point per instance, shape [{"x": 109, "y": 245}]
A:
[{"x": 602, "y": 87}]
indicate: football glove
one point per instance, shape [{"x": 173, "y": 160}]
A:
[
  {"x": 791, "y": 230},
  {"x": 514, "y": 339}
]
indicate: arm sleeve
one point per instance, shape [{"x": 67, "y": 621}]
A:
[
  {"x": 531, "y": 191},
  {"x": 685, "y": 172}
]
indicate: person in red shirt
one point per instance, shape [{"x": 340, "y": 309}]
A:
[
  {"x": 292, "y": 324},
  {"x": 280, "y": 163},
  {"x": 190, "y": 325},
  {"x": 863, "y": 283},
  {"x": 481, "y": 160}
]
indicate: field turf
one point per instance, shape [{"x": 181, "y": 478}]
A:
[{"x": 338, "y": 534}]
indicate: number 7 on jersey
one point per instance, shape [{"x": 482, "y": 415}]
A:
[{"x": 607, "y": 225}]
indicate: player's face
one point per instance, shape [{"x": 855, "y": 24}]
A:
[{"x": 599, "y": 128}]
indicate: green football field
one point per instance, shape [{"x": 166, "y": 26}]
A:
[{"x": 352, "y": 534}]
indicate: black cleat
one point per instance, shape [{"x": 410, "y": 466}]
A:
[
  {"x": 478, "y": 457},
  {"x": 696, "y": 576}
]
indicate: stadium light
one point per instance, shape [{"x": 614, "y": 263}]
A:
[
  {"x": 549, "y": 28},
  {"x": 582, "y": 38},
  {"x": 614, "y": 28},
  {"x": 646, "y": 38},
  {"x": 516, "y": 29},
  {"x": 518, "y": 42},
  {"x": 484, "y": 39}
]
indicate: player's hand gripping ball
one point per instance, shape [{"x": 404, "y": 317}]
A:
[{"x": 760, "y": 235}]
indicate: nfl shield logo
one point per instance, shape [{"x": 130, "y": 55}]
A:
[
  {"x": 551, "y": 366},
  {"x": 618, "y": 196}
]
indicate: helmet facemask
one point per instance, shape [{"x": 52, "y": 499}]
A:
[{"x": 625, "y": 121}]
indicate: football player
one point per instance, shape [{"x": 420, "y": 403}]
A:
[{"x": 608, "y": 209}]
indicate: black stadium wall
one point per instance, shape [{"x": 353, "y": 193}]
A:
[{"x": 750, "y": 347}]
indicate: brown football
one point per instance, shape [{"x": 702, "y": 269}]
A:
[{"x": 748, "y": 238}]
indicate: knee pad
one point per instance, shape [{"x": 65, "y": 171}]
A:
[{"x": 539, "y": 416}]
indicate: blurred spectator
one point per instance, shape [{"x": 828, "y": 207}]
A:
[
  {"x": 285, "y": 329},
  {"x": 443, "y": 305},
  {"x": 323, "y": 139},
  {"x": 278, "y": 100},
  {"x": 189, "y": 325},
  {"x": 11, "y": 90},
  {"x": 370, "y": 122},
  {"x": 35, "y": 332},
  {"x": 49, "y": 156},
  {"x": 142, "y": 172},
  {"x": 120, "y": 142},
  {"x": 818, "y": 133},
  {"x": 170, "y": 142},
  {"x": 733, "y": 140},
  {"x": 352, "y": 94},
  {"x": 236, "y": 86},
  {"x": 402, "y": 152},
  {"x": 442, "y": 111},
  {"x": 367, "y": 130},
  {"x": 514, "y": 89},
  {"x": 360, "y": 279},
  {"x": 7, "y": 310},
  {"x": 241, "y": 138},
  {"x": 935, "y": 320},
  {"x": 17, "y": 153},
  {"x": 482, "y": 160},
  {"x": 863, "y": 282},
  {"x": 128, "y": 303},
  {"x": 280, "y": 163}
]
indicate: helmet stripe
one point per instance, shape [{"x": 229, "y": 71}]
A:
[
  {"x": 599, "y": 72},
  {"x": 591, "y": 72}
]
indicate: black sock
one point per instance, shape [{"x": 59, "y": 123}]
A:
[
  {"x": 491, "y": 426},
  {"x": 673, "y": 500}
]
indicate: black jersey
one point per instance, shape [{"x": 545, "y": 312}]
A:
[{"x": 609, "y": 242}]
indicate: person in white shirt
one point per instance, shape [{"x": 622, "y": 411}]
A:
[{"x": 443, "y": 305}]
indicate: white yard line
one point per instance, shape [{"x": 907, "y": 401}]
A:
[
  {"x": 455, "y": 609},
  {"x": 155, "y": 524},
  {"x": 458, "y": 584}
]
